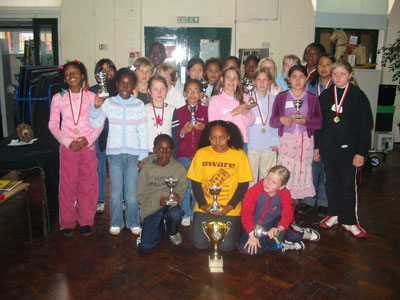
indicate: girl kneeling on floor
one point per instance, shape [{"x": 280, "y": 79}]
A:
[{"x": 269, "y": 204}]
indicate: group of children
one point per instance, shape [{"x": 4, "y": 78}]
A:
[{"x": 261, "y": 153}]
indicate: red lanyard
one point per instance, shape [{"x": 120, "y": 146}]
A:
[
  {"x": 72, "y": 108},
  {"x": 259, "y": 110},
  {"x": 309, "y": 75},
  {"x": 158, "y": 120},
  {"x": 341, "y": 100}
]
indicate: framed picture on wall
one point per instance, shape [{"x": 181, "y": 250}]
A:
[{"x": 358, "y": 46}]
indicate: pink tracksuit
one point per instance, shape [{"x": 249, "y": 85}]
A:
[{"x": 79, "y": 187}]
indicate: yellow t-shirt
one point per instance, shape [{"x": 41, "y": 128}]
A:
[{"x": 224, "y": 169}]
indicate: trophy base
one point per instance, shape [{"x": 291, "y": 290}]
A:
[
  {"x": 172, "y": 203},
  {"x": 104, "y": 95},
  {"x": 216, "y": 266},
  {"x": 297, "y": 117}
]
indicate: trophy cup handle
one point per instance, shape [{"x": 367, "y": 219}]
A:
[
  {"x": 228, "y": 228},
  {"x": 204, "y": 227}
]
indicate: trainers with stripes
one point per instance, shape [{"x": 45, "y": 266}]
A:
[
  {"x": 329, "y": 221},
  {"x": 310, "y": 234},
  {"x": 355, "y": 230},
  {"x": 176, "y": 239},
  {"x": 286, "y": 245}
]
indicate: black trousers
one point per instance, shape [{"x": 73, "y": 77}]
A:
[{"x": 341, "y": 187}]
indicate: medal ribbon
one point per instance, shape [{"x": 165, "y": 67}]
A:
[
  {"x": 341, "y": 100},
  {"x": 259, "y": 110},
  {"x": 327, "y": 86},
  {"x": 309, "y": 75},
  {"x": 159, "y": 121},
  {"x": 72, "y": 107}
]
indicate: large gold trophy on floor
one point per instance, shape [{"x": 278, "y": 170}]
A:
[{"x": 215, "y": 232}]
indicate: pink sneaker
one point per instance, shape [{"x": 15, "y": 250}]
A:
[
  {"x": 355, "y": 230},
  {"x": 329, "y": 221}
]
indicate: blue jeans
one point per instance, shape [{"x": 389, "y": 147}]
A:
[
  {"x": 153, "y": 226},
  {"x": 123, "y": 181},
  {"x": 102, "y": 173},
  {"x": 186, "y": 205},
  {"x": 319, "y": 180}
]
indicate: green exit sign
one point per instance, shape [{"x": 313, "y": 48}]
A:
[{"x": 182, "y": 19}]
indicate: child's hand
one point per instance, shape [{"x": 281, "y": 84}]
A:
[
  {"x": 274, "y": 148},
  {"x": 139, "y": 165},
  {"x": 301, "y": 121},
  {"x": 274, "y": 231},
  {"x": 74, "y": 146},
  {"x": 252, "y": 244},
  {"x": 286, "y": 121},
  {"x": 199, "y": 126},
  {"x": 188, "y": 127},
  {"x": 358, "y": 161},
  {"x": 82, "y": 141},
  {"x": 317, "y": 157},
  {"x": 163, "y": 201},
  {"x": 225, "y": 209},
  {"x": 98, "y": 101}
]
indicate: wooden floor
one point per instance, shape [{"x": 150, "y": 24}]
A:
[{"x": 102, "y": 266}]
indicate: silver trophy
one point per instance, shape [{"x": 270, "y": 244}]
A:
[
  {"x": 204, "y": 86},
  {"x": 259, "y": 231},
  {"x": 297, "y": 104},
  {"x": 214, "y": 191},
  {"x": 192, "y": 109},
  {"x": 249, "y": 89},
  {"x": 171, "y": 182},
  {"x": 102, "y": 78}
]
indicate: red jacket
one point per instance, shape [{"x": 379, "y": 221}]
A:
[{"x": 250, "y": 201}]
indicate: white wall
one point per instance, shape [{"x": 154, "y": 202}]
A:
[
  {"x": 288, "y": 26},
  {"x": 391, "y": 36},
  {"x": 84, "y": 25}
]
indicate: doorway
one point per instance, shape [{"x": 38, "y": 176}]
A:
[{"x": 183, "y": 43}]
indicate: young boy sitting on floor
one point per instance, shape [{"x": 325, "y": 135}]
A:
[
  {"x": 152, "y": 194},
  {"x": 268, "y": 203}
]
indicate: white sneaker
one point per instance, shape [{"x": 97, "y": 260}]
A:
[
  {"x": 292, "y": 245},
  {"x": 136, "y": 230},
  {"x": 311, "y": 234},
  {"x": 185, "y": 221},
  {"x": 115, "y": 230},
  {"x": 355, "y": 230},
  {"x": 176, "y": 239},
  {"x": 329, "y": 221},
  {"x": 100, "y": 207}
]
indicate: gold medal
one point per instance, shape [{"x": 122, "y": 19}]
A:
[
  {"x": 76, "y": 131},
  {"x": 336, "y": 119},
  {"x": 263, "y": 130}
]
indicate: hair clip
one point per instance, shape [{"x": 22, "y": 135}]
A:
[
  {"x": 86, "y": 87},
  {"x": 62, "y": 92},
  {"x": 60, "y": 67},
  {"x": 77, "y": 61}
]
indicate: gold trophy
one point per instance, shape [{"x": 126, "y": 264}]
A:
[
  {"x": 216, "y": 232},
  {"x": 297, "y": 104}
]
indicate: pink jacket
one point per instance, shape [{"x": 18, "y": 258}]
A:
[
  {"x": 220, "y": 108},
  {"x": 65, "y": 135}
]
